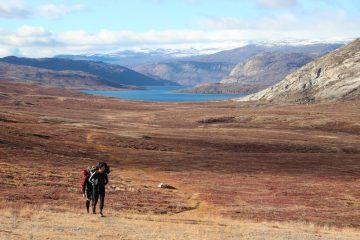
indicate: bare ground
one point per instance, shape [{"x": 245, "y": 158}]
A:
[
  {"x": 48, "y": 223},
  {"x": 296, "y": 165}
]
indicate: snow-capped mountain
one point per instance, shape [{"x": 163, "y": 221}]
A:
[
  {"x": 194, "y": 66},
  {"x": 134, "y": 57}
]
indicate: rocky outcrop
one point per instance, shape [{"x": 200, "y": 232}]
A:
[
  {"x": 267, "y": 68},
  {"x": 334, "y": 76}
]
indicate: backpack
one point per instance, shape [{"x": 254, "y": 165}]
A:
[
  {"x": 91, "y": 170},
  {"x": 84, "y": 176},
  {"x": 107, "y": 168}
]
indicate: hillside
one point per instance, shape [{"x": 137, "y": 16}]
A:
[
  {"x": 222, "y": 88},
  {"x": 334, "y": 76},
  {"x": 186, "y": 72},
  {"x": 261, "y": 66},
  {"x": 240, "y": 54},
  {"x": 64, "y": 79},
  {"x": 267, "y": 68},
  {"x": 114, "y": 74},
  {"x": 193, "y": 67},
  {"x": 294, "y": 168},
  {"x": 131, "y": 58},
  {"x": 257, "y": 73},
  {"x": 124, "y": 58}
]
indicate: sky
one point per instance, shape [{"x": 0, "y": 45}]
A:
[{"x": 39, "y": 28}]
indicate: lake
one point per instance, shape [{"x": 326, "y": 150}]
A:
[{"x": 163, "y": 94}]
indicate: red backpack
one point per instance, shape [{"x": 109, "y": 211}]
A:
[{"x": 84, "y": 178}]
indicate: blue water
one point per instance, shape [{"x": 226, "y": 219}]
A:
[{"x": 163, "y": 94}]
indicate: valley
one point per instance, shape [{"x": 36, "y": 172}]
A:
[
  {"x": 180, "y": 120},
  {"x": 248, "y": 162}
]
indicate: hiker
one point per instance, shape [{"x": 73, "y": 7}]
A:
[
  {"x": 86, "y": 186},
  {"x": 98, "y": 180}
]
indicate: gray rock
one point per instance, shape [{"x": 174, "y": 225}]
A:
[{"x": 166, "y": 186}]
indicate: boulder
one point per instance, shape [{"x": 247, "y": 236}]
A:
[{"x": 166, "y": 186}]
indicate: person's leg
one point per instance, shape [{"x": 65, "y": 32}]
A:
[
  {"x": 102, "y": 199},
  {"x": 88, "y": 195},
  {"x": 95, "y": 198},
  {"x": 87, "y": 205}
]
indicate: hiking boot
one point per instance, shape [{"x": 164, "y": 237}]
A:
[{"x": 101, "y": 214}]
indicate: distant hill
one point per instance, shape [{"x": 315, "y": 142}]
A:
[
  {"x": 334, "y": 76},
  {"x": 64, "y": 79},
  {"x": 112, "y": 74},
  {"x": 130, "y": 58},
  {"x": 264, "y": 68},
  {"x": 238, "y": 55},
  {"x": 267, "y": 68},
  {"x": 213, "y": 68},
  {"x": 186, "y": 72},
  {"x": 192, "y": 67},
  {"x": 125, "y": 58}
]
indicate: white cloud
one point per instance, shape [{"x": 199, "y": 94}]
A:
[
  {"x": 53, "y": 12},
  {"x": 19, "y": 9},
  {"x": 277, "y": 3},
  {"x": 14, "y": 9},
  {"x": 27, "y": 36},
  {"x": 219, "y": 33}
]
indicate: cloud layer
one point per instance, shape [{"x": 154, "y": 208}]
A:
[
  {"x": 286, "y": 20},
  {"x": 19, "y": 9},
  {"x": 14, "y": 9},
  {"x": 39, "y": 42},
  {"x": 277, "y": 3},
  {"x": 53, "y": 12}
]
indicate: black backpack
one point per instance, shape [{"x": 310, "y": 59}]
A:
[{"x": 107, "y": 168}]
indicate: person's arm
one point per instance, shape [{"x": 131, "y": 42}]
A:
[
  {"x": 92, "y": 178},
  {"x": 106, "y": 179}
]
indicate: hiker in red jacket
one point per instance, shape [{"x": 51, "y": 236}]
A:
[{"x": 86, "y": 187}]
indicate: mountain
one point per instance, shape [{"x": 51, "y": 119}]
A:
[
  {"x": 194, "y": 67},
  {"x": 186, "y": 72},
  {"x": 273, "y": 63},
  {"x": 64, "y": 79},
  {"x": 241, "y": 54},
  {"x": 164, "y": 64},
  {"x": 130, "y": 58},
  {"x": 125, "y": 58},
  {"x": 267, "y": 68},
  {"x": 334, "y": 76},
  {"x": 114, "y": 74}
]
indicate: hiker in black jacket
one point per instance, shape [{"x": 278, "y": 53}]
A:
[{"x": 99, "y": 179}]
